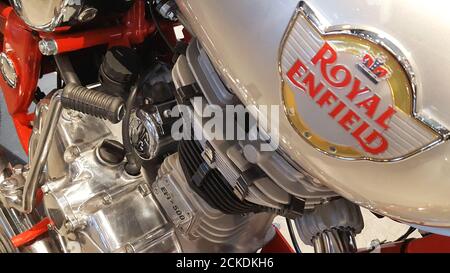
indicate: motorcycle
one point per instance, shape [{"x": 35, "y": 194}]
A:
[{"x": 189, "y": 125}]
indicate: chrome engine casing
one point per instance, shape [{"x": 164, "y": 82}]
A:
[
  {"x": 96, "y": 206},
  {"x": 108, "y": 209},
  {"x": 202, "y": 228}
]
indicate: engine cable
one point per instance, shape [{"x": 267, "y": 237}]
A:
[
  {"x": 406, "y": 235},
  {"x": 133, "y": 165},
  {"x": 293, "y": 236},
  {"x": 158, "y": 27}
]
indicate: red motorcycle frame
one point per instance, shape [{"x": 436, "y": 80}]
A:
[{"x": 21, "y": 45}]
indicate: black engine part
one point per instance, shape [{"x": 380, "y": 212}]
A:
[
  {"x": 111, "y": 151},
  {"x": 119, "y": 71},
  {"x": 209, "y": 183},
  {"x": 93, "y": 102}
]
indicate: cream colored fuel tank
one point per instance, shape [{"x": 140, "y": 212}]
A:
[{"x": 363, "y": 87}]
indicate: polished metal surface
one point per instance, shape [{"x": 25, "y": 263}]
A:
[
  {"x": 145, "y": 133},
  {"x": 34, "y": 175},
  {"x": 13, "y": 222},
  {"x": 46, "y": 15},
  {"x": 167, "y": 9},
  {"x": 102, "y": 209},
  {"x": 95, "y": 206},
  {"x": 98, "y": 203},
  {"x": 48, "y": 47},
  {"x": 6, "y": 230},
  {"x": 5, "y": 242},
  {"x": 335, "y": 241}
]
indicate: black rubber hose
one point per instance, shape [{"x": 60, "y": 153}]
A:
[
  {"x": 293, "y": 237},
  {"x": 92, "y": 102},
  {"x": 133, "y": 167},
  {"x": 406, "y": 235}
]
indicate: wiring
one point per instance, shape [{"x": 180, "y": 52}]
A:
[
  {"x": 292, "y": 234},
  {"x": 158, "y": 27},
  {"x": 133, "y": 166},
  {"x": 406, "y": 235}
]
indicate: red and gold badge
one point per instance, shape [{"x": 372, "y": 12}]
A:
[{"x": 350, "y": 93}]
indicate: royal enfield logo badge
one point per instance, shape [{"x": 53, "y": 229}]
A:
[{"x": 350, "y": 93}]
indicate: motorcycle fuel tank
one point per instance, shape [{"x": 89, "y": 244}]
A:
[{"x": 361, "y": 86}]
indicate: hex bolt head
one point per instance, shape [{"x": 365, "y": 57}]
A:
[{"x": 48, "y": 47}]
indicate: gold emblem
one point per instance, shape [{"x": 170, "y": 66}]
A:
[{"x": 350, "y": 94}]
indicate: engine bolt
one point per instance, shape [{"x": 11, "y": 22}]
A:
[
  {"x": 48, "y": 47},
  {"x": 107, "y": 200},
  {"x": 87, "y": 14},
  {"x": 45, "y": 189},
  {"x": 375, "y": 244},
  {"x": 171, "y": 15},
  {"x": 167, "y": 113}
]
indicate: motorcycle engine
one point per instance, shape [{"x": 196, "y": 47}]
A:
[{"x": 97, "y": 205}]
